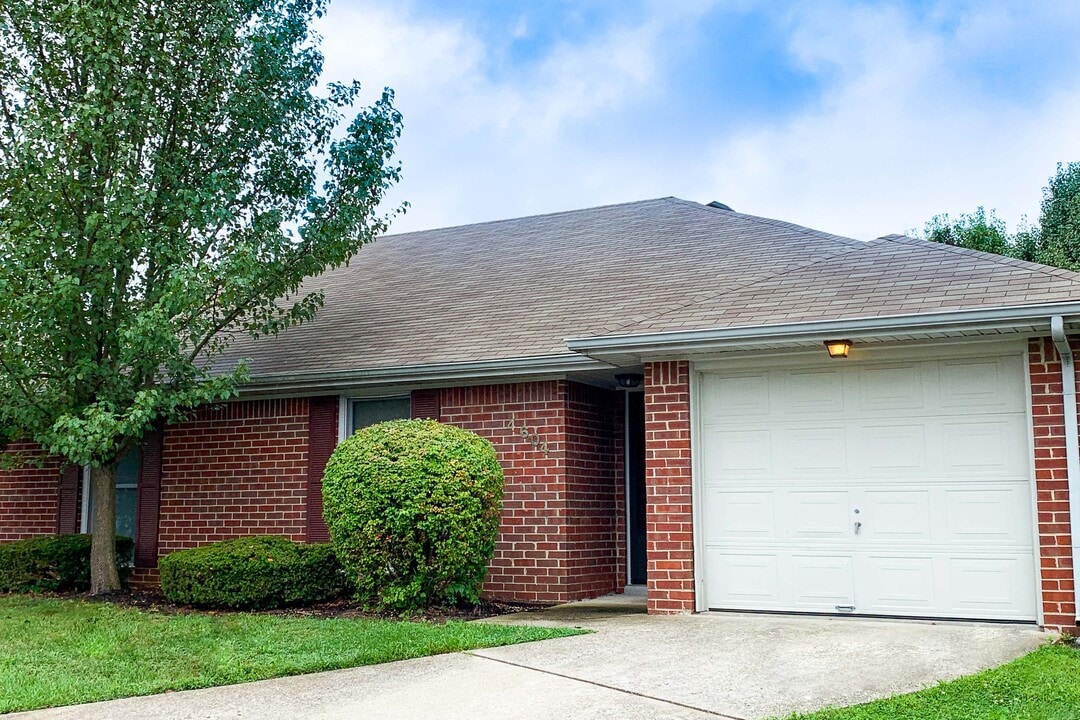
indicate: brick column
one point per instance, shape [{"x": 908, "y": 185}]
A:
[
  {"x": 1052, "y": 486},
  {"x": 669, "y": 518}
]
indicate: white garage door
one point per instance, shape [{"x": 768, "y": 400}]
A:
[{"x": 868, "y": 487}]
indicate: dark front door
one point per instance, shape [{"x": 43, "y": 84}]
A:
[{"x": 635, "y": 480}]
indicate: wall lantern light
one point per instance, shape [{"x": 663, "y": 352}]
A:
[
  {"x": 629, "y": 380},
  {"x": 838, "y": 348}
]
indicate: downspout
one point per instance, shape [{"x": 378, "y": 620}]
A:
[{"x": 1072, "y": 445}]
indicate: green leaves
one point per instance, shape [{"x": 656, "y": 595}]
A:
[
  {"x": 1060, "y": 218},
  {"x": 265, "y": 571},
  {"x": 1056, "y": 241},
  {"x": 169, "y": 178},
  {"x": 978, "y": 231},
  {"x": 413, "y": 511}
]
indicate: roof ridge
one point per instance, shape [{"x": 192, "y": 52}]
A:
[
  {"x": 771, "y": 222},
  {"x": 529, "y": 217},
  {"x": 993, "y": 257}
]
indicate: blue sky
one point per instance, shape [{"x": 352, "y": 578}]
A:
[{"x": 859, "y": 118}]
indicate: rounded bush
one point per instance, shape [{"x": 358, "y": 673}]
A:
[
  {"x": 252, "y": 573},
  {"x": 413, "y": 510}
]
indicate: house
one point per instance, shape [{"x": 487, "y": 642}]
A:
[{"x": 655, "y": 379}]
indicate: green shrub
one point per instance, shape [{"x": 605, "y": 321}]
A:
[
  {"x": 52, "y": 564},
  {"x": 413, "y": 510},
  {"x": 252, "y": 573}
]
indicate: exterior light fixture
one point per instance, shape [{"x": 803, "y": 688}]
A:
[
  {"x": 838, "y": 348},
  {"x": 629, "y": 380}
]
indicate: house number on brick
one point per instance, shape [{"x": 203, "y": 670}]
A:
[{"x": 528, "y": 434}]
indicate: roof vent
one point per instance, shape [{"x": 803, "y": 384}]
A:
[{"x": 720, "y": 206}]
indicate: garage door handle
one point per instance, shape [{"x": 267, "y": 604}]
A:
[
  {"x": 858, "y": 526},
  {"x": 845, "y": 608}
]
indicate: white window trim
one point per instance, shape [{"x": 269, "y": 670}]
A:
[{"x": 84, "y": 521}]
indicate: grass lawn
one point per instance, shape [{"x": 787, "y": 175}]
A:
[
  {"x": 61, "y": 652},
  {"x": 1044, "y": 685}
]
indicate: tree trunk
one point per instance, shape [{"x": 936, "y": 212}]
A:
[{"x": 103, "y": 575}]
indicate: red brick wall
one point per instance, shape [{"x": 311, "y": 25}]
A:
[
  {"x": 29, "y": 498},
  {"x": 1052, "y": 487},
  {"x": 526, "y": 423},
  {"x": 233, "y": 470},
  {"x": 669, "y": 520},
  {"x": 595, "y": 514}
]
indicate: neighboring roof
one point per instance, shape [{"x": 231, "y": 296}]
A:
[{"x": 517, "y": 289}]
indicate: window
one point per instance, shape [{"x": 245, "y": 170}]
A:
[
  {"x": 377, "y": 410},
  {"x": 127, "y": 479}
]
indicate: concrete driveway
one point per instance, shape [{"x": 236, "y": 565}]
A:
[{"x": 633, "y": 666}]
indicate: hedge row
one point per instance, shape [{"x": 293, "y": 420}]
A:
[
  {"x": 52, "y": 564},
  {"x": 252, "y": 573}
]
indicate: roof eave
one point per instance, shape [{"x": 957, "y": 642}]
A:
[
  {"x": 621, "y": 349},
  {"x": 443, "y": 374}
]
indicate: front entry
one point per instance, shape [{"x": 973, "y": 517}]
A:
[{"x": 635, "y": 486}]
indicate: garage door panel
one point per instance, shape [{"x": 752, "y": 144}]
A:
[
  {"x": 889, "y": 387},
  {"x": 821, "y": 582},
  {"x": 894, "y": 516},
  {"x": 986, "y": 586},
  {"x": 737, "y": 515},
  {"x": 815, "y": 515},
  {"x": 896, "y": 584},
  {"x": 744, "y": 580},
  {"x": 743, "y": 394},
  {"x": 989, "y": 515},
  {"x": 981, "y": 384},
  {"x": 934, "y": 455},
  {"x": 891, "y": 450},
  {"x": 996, "y": 445},
  {"x": 811, "y": 393},
  {"x": 738, "y": 453},
  {"x": 812, "y": 451}
]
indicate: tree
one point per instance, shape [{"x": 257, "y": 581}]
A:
[
  {"x": 977, "y": 231},
  {"x": 169, "y": 176},
  {"x": 1059, "y": 220},
  {"x": 1056, "y": 240}
]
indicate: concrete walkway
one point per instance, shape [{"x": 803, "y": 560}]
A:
[{"x": 634, "y": 666}]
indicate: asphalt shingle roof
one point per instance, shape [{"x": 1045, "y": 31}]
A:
[{"x": 518, "y": 288}]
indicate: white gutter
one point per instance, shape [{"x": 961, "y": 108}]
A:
[
  {"x": 508, "y": 369},
  {"x": 1072, "y": 444},
  {"x": 689, "y": 340}
]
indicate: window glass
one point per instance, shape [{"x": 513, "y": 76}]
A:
[
  {"x": 127, "y": 480},
  {"x": 369, "y": 412},
  {"x": 125, "y": 512},
  {"x": 127, "y": 473}
]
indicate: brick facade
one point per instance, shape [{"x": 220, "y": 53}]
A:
[
  {"x": 669, "y": 516},
  {"x": 558, "y": 540},
  {"x": 525, "y": 422},
  {"x": 29, "y": 497},
  {"x": 1052, "y": 487},
  {"x": 595, "y": 491},
  {"x": 233, "y": 470},
  {"x": 242, "y": 468}
]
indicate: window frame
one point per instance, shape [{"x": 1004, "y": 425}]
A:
[
  {"x": 345, "y": 419},
  {"x": 84, "y": 478}
]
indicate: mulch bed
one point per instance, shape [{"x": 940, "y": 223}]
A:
[{"x": 154, "y": 602}]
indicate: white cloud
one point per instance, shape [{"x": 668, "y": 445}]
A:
[
  {"x": 900, "y": 134},
  {"x": 482, "y": 140},
  {"x": 900, "y": 130}
]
